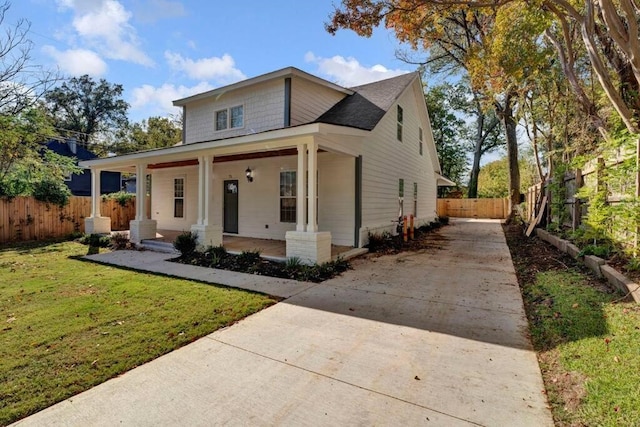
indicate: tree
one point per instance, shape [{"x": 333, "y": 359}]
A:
[
  {"x": 457, "y": 38},
  {"x": 447, "y": 131},
  {"x": 22, "y": 83},
  {"x": 87, "y": 110},
  {"x": 156, "y": 132},
  {"x": 25, "y": 164},
  {"x": 493, "y": 180}
]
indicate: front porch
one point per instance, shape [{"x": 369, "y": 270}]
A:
[{"x": 269, "y": 248}]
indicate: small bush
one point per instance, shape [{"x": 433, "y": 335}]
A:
[
  {"x": 443, "y": 220},
  {"x": 96, "y": 240},
  {"x": 216, "y": 251},
  {"x": 51, "y": 192},
  {"x": 599, "y": 251},
  {"x": 120, "y": 241},
  {"x": 248, "y": 259},
  {"x": 123, "y": 198},
  {"x": 186, "y": 243}
]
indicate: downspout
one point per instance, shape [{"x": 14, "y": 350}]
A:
[{"x": 358, "y": 202}]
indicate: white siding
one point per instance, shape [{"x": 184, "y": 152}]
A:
[
  {"x": 162, "y": 198},
  {"x": 259, "y": 201},
  {"x": 310, "y": 100},
  {"x": 386, "y": 160},
  {"x": 263, "y": 110}
]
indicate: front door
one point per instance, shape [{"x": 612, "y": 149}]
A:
[{"x": 231, "y": 206}]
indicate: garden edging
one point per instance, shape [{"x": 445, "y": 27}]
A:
[{"x": 596, "y": 264}]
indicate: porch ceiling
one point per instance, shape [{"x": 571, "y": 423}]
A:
[{"x": 267, "y": 144}]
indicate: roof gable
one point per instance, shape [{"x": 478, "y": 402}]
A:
[
  {"x": 369, "y": 103},
  {"x": 62, "y": 148}
]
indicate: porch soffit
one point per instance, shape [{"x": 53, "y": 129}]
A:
[{"x": 274, "y": 143}]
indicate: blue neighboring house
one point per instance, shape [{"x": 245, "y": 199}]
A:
[{"x": 80, "y": 184}]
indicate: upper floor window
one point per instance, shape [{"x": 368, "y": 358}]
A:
[
  {"x": 420, "y": 140},
  {"x": 230, "y": 118},
  {"x": 400, "y": 123}
]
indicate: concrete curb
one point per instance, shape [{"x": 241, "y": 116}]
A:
[{"x": 596, "y": 264}]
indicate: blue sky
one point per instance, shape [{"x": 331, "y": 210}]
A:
[{"x": 161, "y": 50}]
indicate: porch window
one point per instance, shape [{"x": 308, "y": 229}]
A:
[
  {"x": 288, "y": 188},
  {"x": 178, "y": 197},
  {"x": 420, "y": 140},
  {"x": 400, "y": 124}
]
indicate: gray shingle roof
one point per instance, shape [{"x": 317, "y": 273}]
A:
[{"x": 365, "y": 108}]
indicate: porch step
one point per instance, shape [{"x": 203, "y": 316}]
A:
[{"x": 158, "y": 246}]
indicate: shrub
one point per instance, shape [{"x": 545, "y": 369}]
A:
[
  {"x": 248, "y": 259},
  {"x": 96, "y": 240},
  {"x": 599, "y": 251},
  {"x": 51, "y": 192},
  {"x": 120, "y": 241},
  {"x": 216, "y": 251},
  {"x": 443, "y": 220},
  {"x": 122, "y": 197},
  {"x": 186, "y": 243}
]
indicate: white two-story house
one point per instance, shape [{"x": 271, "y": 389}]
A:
[{"x": 288, "y": 156}]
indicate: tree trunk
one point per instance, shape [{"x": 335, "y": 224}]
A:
[
  {"x": 505, "y": 112},
  {"x": 472, "y": 190}
]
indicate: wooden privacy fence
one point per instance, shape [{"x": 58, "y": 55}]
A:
[
  {"x": 474, "y": 208},
  {"x": 24, "y": 218}
]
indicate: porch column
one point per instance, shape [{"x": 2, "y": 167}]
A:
[
  {"x": 141, "y": 228},
  {"x": 96, "y": 224},
  {"x": 209, "y": 234},
  {"x": 312, "y": 226},
  {"x": 310, "y": 245},
  {"x": 301, "y": 200}
]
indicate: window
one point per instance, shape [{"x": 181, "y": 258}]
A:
[
  {"x": 230, "y": 118},
  {"x": 288, "y": 187},
  {"x": 401, "y": 187},
  {"x": 178, "y": 197},
  {"x": 420, "y": 139},
  {"x": 237, "y": 117},
  {"x": 399, "y": 127},
  {"x": 221, "y": 120}
]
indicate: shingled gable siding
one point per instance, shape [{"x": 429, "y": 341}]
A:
[
  {"x": 309, "y": 100},
  {"x": 263, "y": 110},
  {"x": 385, "y": 161}
]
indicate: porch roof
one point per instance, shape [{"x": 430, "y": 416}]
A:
[{"x": 348, "y": 142}]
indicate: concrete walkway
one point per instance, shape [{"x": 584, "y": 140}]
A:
[{"x": 437, "y": 337}]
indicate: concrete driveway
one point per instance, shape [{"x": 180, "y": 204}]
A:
[{"x": 437, "y": 337}]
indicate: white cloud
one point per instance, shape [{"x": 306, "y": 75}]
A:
[
  {"x": 349, "y": 72},
  {"x": 77, "y": 62},
  {"x": 221, "y": 70},
  {"x": 104, "y": 26},
  {"x": 154, "y": 10},
  {"x": 159, "y": 100}
]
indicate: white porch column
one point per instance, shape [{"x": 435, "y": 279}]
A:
[
  {"x": 312, "y": 226},
  {"x": 301, "y": 199},
  {"x": 310, "y": 245},
  {"x": 209, "y": 234},
  {"x": 141, "y": 228},
  {"x": 96, "y": 223}
]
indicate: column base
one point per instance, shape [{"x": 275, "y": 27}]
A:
[
  {"x": 142, "y": 229},
  {"x": 208, "y": 235},
  {"x": 97, "y": 225},
  {"x": 309, "y": 247}
]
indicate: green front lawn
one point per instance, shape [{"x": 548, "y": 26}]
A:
[{"x": 67, "y": 325}]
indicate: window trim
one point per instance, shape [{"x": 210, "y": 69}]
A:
[
  {"x": 228, "y": 121},
  {"x": 183, "y": 198}
]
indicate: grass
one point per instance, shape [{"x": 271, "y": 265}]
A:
[
  {"x": 589, "y": 346},
  {"x": 67, "y": 325}
]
